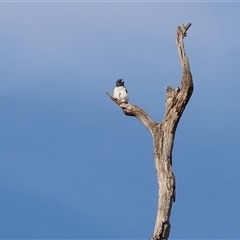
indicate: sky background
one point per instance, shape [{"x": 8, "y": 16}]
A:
[{"x": 72, "y": 165}]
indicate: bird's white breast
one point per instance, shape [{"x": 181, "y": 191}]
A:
[{"x": 121, "y": 94}]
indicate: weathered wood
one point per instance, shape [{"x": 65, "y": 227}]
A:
[
  {"x": 176, "y": 101},
  {"x": 163, "y": 137},
  {"x": 135, "y": 111}
]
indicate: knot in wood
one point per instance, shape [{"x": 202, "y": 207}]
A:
[{"x": 171, "y": 94}]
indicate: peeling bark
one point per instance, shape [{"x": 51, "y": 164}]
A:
[{"x": 163, "y": 134}]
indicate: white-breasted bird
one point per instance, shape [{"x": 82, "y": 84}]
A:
[{"x": 120, "y": 91}]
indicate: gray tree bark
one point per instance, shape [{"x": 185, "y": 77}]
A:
[{"x": 163, "y": 134}]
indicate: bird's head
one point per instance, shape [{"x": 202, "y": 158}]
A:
[{"x": 119, "y": 83}]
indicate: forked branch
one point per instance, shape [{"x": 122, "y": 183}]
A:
[{"x": 163, "y": 136}]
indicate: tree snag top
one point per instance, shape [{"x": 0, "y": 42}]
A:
[{"x": 163, "y": 136}]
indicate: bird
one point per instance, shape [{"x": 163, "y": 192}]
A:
[{"x": 120, "y": 92}]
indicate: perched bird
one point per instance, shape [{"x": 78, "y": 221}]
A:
[{"x": 120, "y": 91}]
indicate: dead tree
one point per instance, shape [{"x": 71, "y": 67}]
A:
[{"x": 163, "y": 134}]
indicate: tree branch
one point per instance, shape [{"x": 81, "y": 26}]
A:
[
  {"x": 177, "y": 99},
  {"x": 135, "y": 111},
  {"x": 187, "y": 77}
]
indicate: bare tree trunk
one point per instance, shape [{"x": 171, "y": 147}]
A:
[{"x": 163, "y": 136}]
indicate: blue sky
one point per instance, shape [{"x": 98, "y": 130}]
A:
[{"x": 72, "y": 165}]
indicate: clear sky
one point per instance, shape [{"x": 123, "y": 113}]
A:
[{"x": 71, "y": 164}]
